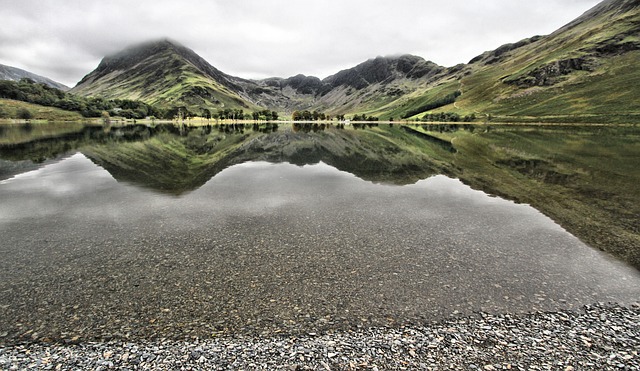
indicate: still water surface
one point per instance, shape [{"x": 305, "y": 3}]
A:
[{"x": 270, "y": 247}]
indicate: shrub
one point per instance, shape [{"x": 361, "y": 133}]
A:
[{"x": 24, "y": 114}]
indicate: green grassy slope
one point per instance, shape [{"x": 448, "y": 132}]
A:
[
  {"x": 9, "y": 109},
  {"x": 163, "y": 74},
  {"x": 586, "y": 71}
]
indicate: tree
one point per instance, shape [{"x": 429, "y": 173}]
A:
[{"x": 24, "y": 114}]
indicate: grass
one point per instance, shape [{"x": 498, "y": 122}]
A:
[
  {"x": 415, "y": 100},
  {"x": 609, "y": 92},
  {"x": 42, "y": 113}
]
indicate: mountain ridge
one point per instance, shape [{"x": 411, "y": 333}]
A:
[
  {"x": 513, "y": 81},
  {"x": 296, "y": 92},
  {"x": 15, "y": 74}
]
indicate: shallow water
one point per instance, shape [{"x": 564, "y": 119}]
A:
[{"x": 271, "y": 247}]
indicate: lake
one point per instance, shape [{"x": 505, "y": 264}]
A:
[{"x": 179, "y": 232}]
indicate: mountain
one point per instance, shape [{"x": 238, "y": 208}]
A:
[
  {"x": 164, "y": 73},
  {"x": 585, "y": 71},
  {"x": 369, "y": 84},
  {"x": 16, "y": 74},
  {"x": 376, "y": 82},
  {"x": 169, "y": 74}
]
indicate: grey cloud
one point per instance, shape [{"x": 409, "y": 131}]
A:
[{"x": 255, "y": 39}]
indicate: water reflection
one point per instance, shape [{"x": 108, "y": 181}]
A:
[
  {"x": 583, "y": 177},
  {"x": 179, "y": 159},
  {"x": 266, "y": 247}
]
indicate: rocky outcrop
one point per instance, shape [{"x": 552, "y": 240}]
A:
[
  {"x": 500, "y": 53},
  {"x": 552, "y": 73},
  {"x": 383, "y": 69}
]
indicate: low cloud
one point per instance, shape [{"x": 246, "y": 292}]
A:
[{"x": 257, "y": 39}]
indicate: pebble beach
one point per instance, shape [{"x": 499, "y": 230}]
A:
[{"x": 597, "y": 337}]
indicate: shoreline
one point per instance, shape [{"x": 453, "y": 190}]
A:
[
  {"x": 197, "y": 122},
  {"x": 600, "y": 336}
]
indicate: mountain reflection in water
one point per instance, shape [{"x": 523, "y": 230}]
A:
[
  {"x": 174, "y": 159},
  {"x": 583, "y": 177},
  {"x": 174, "y": 231}
]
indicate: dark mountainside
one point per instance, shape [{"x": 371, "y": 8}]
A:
[
  {"x": 371, "y": 83},
  {"x": 585, "y": 71},
  {"x": 16, "y": 74},
  {"x": 383, "y": 70}
]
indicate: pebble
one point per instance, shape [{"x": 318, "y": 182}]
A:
[{"x": 483, "y": 341}]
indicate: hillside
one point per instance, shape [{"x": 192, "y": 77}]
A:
[
  {"x": 585, "y": 71},
  {"x": 376, "y": 82},
  {"x": 10, "y": 109},
  {"x": 16, "y": 74}
]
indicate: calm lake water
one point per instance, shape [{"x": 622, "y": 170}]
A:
[{"x": 169, "y": 232}]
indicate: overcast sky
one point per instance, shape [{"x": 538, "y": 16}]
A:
[{"x": 66, "y": 39}]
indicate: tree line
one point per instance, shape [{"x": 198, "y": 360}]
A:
[
  {"x": 29, "y": 91},
  {"x": 309, "y": 116},
  {"x": 183, "y": 112},
  {"x": 448, "y": 117},
  {"x": 364, "y": 117}
]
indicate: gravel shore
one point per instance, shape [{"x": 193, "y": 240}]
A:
[{"x": 598, "y": 337}]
